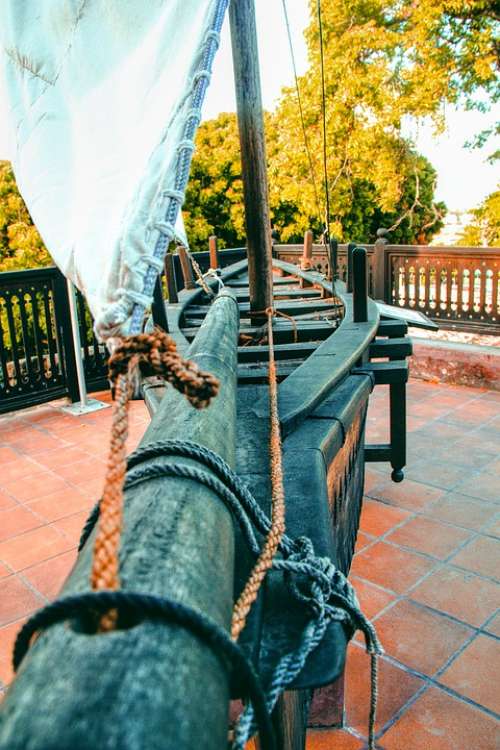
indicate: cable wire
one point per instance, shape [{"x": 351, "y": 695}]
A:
[
  {"x": 323, "y": 111},
  {"x": 299, "y": 100}
]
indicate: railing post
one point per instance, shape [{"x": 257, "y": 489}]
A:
[
  {"x": 333, "y": 260},
  {"x": 379, "y": 276},
  {"x": 350, "y": 249},
  {"x": 360, "y": 286},
  {"x": 66, "y": 349},
  {"x": 158, "y": 307}
]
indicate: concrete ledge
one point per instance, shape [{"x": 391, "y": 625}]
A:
[{"x": 459, "y": 364}]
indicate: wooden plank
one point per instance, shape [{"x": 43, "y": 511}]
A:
[
  {"x": 290, "y": 719},
  {"x": 386, "y": 373},
  {"x": 289, "y": 307},
  {"x": 392, "y": 328},
  {"x": 152, "y": 685},
  {"x": 260, "y": 373},
  {"x": 243, "y": 281},
  {"x": 284, "y": 332},
  {"x": 253, "y": 151},
  {"x": 281, "y": 351},
  {"x": 396, "y": 347},
  {"x": 284, "y": 293}
]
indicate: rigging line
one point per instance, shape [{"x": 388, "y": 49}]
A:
[
  {"x": 299, "y": 100},
  {"x": 323, "y": 111}
]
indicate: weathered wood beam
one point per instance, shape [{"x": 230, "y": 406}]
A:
[
  {"x": 151, "y": 686},
  {"x": 253, "y": 152}
]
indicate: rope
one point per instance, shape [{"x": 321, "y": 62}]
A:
[
  {"x": 104, "y": 573},
  {"x": 271, "y": 545},
  {"x": 326, "y": 234},
  {"x": 324, "y": 591},
  {"x": 145, "y": 354},
  {"x": 143, "y": 606},
  {"x": 199, "y": 274}
]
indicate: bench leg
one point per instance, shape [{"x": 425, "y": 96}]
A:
[
  {"x": 290, "y": 720},
  {"x": 397, "y": 399}
]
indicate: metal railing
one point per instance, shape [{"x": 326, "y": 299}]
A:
[
  {"x": 37, "y": 356},
  {"x": 458, "y": 287}
]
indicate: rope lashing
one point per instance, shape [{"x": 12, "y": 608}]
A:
[
  {"x": 143, "y": 354},
  {"x": 271, "y": 545},
  {"x": 146, "y": 607},
  {"x": 323, "y": 590}
]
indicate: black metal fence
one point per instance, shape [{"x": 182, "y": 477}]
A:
[{"x": 37, "y": 356}]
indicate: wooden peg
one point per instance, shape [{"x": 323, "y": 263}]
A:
[
  {"x": 306, "y": 260},
  {"x": 187, "y": 271},
  {"x": 214, "y": 253}
]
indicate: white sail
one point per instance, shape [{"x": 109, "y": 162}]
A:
[{"x": 95, "y": 98}]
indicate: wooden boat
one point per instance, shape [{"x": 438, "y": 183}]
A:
[{"x": 156, "y": 684}]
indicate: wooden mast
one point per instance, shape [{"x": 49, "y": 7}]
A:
[{"x": 253, "y": 152}]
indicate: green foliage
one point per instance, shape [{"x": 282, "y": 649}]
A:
[
  {"x": 21, "y": 246},
  {"x": 485, "y": 229},
  {"x": 214, "y": 200},
  {"x": 214, "y": 196}
]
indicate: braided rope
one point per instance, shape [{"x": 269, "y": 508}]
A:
[
  {"x": 275, "y": 535},
  {"x": 104, "y": 573},
  {"x": 147, "y": 354}
]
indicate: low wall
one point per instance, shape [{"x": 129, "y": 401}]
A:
[{"x": 459, "y": 364}]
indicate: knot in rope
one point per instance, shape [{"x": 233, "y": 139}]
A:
[
  {"x": 142, "y": 354},
  {"x": 156, "y": 354}
]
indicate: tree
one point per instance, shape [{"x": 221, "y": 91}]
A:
[
  {"x": 214, "y": 196},
  {"x": 485, "y": 229},
  {"x": 21, "y": 246},
  {"x": 214, "y": 200}
]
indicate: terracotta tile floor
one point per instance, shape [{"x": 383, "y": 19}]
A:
[{"x": 427, "y": 567}]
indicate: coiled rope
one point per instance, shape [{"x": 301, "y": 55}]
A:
[
  {"x": 144, "y": 606},
  {"x": 323, "y": 590}
]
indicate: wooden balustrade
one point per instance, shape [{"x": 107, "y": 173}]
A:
[{"x": 458, "y": 287}]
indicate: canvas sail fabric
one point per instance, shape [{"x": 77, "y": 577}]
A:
[{"x": 94, "y": 95}]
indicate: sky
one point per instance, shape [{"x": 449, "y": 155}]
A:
[{"x": 464, "y": 178}]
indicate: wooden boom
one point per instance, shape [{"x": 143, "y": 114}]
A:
[{"x": 153, "y": 685}]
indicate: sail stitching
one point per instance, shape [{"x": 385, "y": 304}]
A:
[{"x": 185, "y": 149}]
